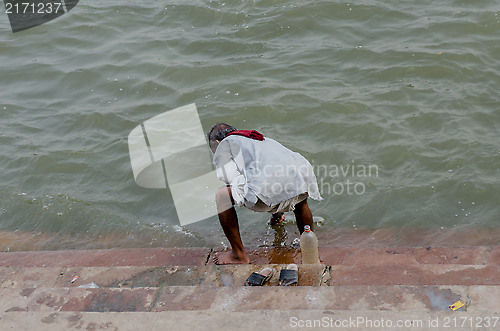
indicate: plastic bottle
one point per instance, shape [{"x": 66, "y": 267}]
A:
[{"x": 309, "y": 246}]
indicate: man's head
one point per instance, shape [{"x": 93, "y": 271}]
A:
[{"x": 217, "y": 133}]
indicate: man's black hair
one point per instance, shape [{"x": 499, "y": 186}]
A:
[{"x": 219, "y": 132}]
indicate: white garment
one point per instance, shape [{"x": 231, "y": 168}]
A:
[{"x": 264, "y": 170}]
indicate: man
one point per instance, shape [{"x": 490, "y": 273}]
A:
[{"x": 262, "y": 175}]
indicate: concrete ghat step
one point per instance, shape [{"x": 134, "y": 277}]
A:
[
  {"x": 167, "y": 289},
  {"x": 212, "y": 275},
  {"x": 283, "y": 255},
  {"x": 251, "y": 320},
  {"x": 107, "y": 257},
  {"x": 236, "y": 299}
]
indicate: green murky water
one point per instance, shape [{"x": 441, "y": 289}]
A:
[{"x": 408, "y": 90}]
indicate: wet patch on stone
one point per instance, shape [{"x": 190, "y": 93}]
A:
[
  {"x": 226, "y": 279},
  {"x": 16, "y": 309},
  {"x": 436, "y": 298},
  {"x": 49, "y": 300},
  {"x": 49, "y": 319},
  {"x": 268, "y": 255},
  {"x": 169, "y": 276},
  {"x": 27, "y": 292},
  {"x": 75, "y": 321},
  {"x": 112, "y": 300},
  {"x": 185, "y": 298}
]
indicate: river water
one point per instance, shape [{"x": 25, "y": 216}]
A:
[{"x": 395, "y": 103}]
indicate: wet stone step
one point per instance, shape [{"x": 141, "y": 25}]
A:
[
  {"x": 212, "y": 275},
  {"x": 429, "y": 274},
  {"x": 232, "y": 275},
  {"x": 264, "y": 255},
  {"x": 107, "y": 257}
]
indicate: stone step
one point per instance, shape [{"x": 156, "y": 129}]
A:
[
  {"x": 107, "y": 257},
  {"x": 473, "y": 255},
  {"x": 254, "y": 320},
  {"x": 241, "y": 298},
  {"x": 231, "y": 275},
  {"x": 192, "y": 266},
  {"x": 156, "y": 289}
]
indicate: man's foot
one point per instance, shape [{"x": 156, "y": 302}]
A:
[
  {"x": 277, "y": 219},
  {"x": 230, "y": 258}
]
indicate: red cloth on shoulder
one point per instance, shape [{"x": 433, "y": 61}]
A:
[{"x": 248, "y": 133}]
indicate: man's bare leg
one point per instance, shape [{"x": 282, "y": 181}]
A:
[
  {"x": 229, "y": 222},
  {"x": 303, "y": 215}
]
